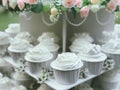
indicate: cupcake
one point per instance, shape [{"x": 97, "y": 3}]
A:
[
  {"x": 13, "y": 29},
  {"x": 48, "y": 35},
  {"x": 80, "y": 45},
  {"x": 38, "y": 58},
  {"x": 85, "y": 36},
  {"x": 18, "y": 48},
  {"x": 21, "y": 87},
  {"x": 26, "y": 36},
  {"x": 66, "y": 68},
  {"x": 51, "y": 46},
  {"x": 93, "y": 59},
  {"x": 112, "y": 49},
  {"x": 5, "y": 83},
  {"x": 21, "y": 78},
  {"x": 4, "y": 42}
]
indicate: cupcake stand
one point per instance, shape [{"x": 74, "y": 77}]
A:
[{"x": 94, "y": 24}]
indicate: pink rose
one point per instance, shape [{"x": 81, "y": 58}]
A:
[
  {"x": 30, "y": 1},
  {"x": 21, "y": 4},
  {"x": 111, "y": 6},
  {"x": 69, "y": 3},
  {"x": 4, "y": 2},
  {"x": 12, "y": 3},
  {"x": 84, "y": 12},
  {"x": 79, "y": 3}
]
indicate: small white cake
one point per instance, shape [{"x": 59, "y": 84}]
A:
[
  {"x": 38, "y": 57},
  {"x": 50, "y": 45},
  {"x": 26, "y": 36},
  {"x": 66, "y": 68},
  {"x": 84, "y": 36},
  {"x": 93, "y": 59},
  {"x": 18, "y": 48},
  {"x": 13, "y": 29},
  {"x": 112, "y": 49},
  {"x": 21, "y": 87},
  {"x": 48, "y": 35},
  {"x": 80, "y": 45}
]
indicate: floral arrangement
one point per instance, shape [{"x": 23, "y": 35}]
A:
[{"x": 57, "y": 7}]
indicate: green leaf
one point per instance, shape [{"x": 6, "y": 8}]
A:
[
  {"x": 37, "y": 8},
  {"x": 46, "y": 8}
]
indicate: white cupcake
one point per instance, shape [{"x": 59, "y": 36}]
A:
[
  {"x": 80, "y": 45},
  {"x": 18, "y": 48},
  {"x": 85, "y": 36},
  {"x": 66, "y": 68},
  {"x": 51, "y": 46},
  {"x": 21, "y": 87},
  {"x": 26, "y": 36},
  {"x": 4, "y": 42},
  {"x": 21, "y": 78},
  {"x": 93, "y": 59},
  {"x": 48, "y": 35},
  {"x": 5, "y": 84},
  {"x": 112, "y": 49},
  {"x": 13, "y": 29},
  {"x": 38, "y": 58}
]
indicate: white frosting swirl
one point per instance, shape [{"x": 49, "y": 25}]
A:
[
  {"x": 38, "y": 53},
  {"x": 25, "y": 35},
  {"x": 67, "y": 61},
  {"x": 84, "y": 36},
  {"x": 13, "y": 28},
  {"x": 49, "y": 44},
  {"x": 80, "y": 45},
  {"x": 94, "y": 54},
  {"x": 19, "y": 45},
  {"x": 48, "y": 35},
  {"x": 113, "y": 46},
  {"x": 4, "y": 38},
  {"x": 19, "y": 88}
]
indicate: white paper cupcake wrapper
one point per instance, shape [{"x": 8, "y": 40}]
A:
[
  {"x": 35, "y": 67},
  {"x": 94, "y": 67},
  {"x": 17, "y": 56},
  {"x": 66, "y": 77}
]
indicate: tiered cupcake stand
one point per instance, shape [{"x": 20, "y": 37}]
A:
[{"x": 52, "y": 82}]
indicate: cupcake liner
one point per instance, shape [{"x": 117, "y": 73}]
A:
[
  {"x": 66, "y": 77},
  {"x": 94, "y": 67},
  {"x": 17, "y": 56},
  {"x": 3, "y": 49},
  {"x": 35, "y": 67}
]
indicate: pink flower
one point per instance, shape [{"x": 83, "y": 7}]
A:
[
  {"x": 79, "y": 3},
  {"x": 117, "y": 2},
  {"x": 69, "y": 3},
  {"x": 4, "y": 2},
  {"x": 30, "y": 1},
  {"x": 84, "y": 12},
  {"x": 21, "y": 4},
  {"x": 111, "y": 6},
  {"x": 12, "y": 3}
]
